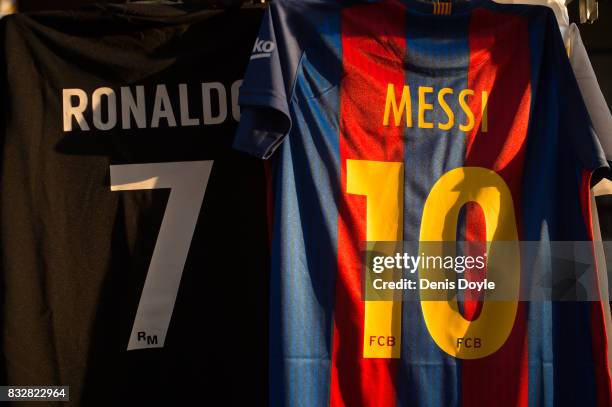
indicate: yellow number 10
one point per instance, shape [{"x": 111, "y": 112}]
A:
[{"x": 382, "y": 184}]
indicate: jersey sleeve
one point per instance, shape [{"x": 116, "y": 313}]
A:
[
  {"x": 265, "y": 93},
  {"x": 591, "y": 93},
  {"x": 575, "y": 125}
]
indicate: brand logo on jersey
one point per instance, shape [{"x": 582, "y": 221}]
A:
[{"x": 263, "y": 49}]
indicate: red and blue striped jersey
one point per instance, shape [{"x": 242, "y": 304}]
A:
[{"x": 386, "y": 118}]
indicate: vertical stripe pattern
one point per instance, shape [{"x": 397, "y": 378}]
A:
[
  {"x": 305, "y": 231},
  {"x": 374, "y": 47},
  {"x": 468, "y": 91},
  {"x": 437, "y": 58},
  {"x": 500, "y": 68}
]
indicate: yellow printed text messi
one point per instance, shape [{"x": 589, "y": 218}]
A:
[{"x": 427, "y": 99}]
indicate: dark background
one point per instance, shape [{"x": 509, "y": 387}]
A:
[
  {"x": 35, "y": 5},
  {"x": 597, "y": 37}
]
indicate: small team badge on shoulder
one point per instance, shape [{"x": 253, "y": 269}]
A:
[{"x": 442, "y": 7}]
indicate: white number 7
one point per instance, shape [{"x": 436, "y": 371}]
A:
[{"x": 187, "y": 182}]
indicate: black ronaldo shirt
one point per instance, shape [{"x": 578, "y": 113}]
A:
[{"x": 132, "y": 238}]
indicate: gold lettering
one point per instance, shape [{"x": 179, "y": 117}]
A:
[
  {"x": 423, "y": 107},
  {"x": 398, "y": 111},
  {"x": 403, "y": 108},
  {"x": 484, "y": 124},
  {"x": 466, "y": 108},
  {"x": 449, "y": 112}
]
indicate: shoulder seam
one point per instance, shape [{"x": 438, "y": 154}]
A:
[{"x": 295, "y": 77}]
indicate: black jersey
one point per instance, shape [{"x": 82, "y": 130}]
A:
[{"x": 132, "y": 239}]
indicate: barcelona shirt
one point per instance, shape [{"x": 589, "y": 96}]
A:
[{"x": 384, "y": 120}]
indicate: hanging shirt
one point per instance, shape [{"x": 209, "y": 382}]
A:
[
  {"x": 384, "y": 119},
  {"x": 601, "y": 120},
  {"x": 598, "y": 109},
  {"x": 133, "y": 240}
]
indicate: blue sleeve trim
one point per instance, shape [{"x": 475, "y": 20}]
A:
[{"x": 264, "y": 123}]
